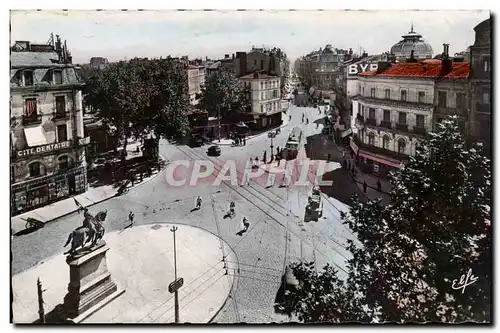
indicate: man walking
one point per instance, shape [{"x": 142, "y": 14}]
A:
[
  {"x": 365, "y": 185},
  {"x": 246, "y": 224},
  {"x": 131, "y": 218},
  {"x": 198, "y": 202}
]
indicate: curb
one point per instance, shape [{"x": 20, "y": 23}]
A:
[{"x": 94, "y": 202}]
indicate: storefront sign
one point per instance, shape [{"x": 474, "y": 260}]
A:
[
  {"x": 44, "y": 149},
  {"x": 84, "y": 141},
  {"x": 355, "y": 69}
]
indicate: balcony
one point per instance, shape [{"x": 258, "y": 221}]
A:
[
  {"x": 450, "y": 111},
  {"x": 419, "y": 130},
  {"x": 402, "y": 127},
  {"x": 34, "y": 119},
  {"x": 60, "y": 115},
  {"x": 381, "y": 151},
  {"x": 386, "y": 124},
  {"x": 371, "y": 121}
]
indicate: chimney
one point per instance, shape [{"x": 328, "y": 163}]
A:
[{"x": 446, "y": 63}]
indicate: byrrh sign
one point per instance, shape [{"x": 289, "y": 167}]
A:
[
  {"x": 44, "y": 149},
  {"x": 355, "y": 69}
]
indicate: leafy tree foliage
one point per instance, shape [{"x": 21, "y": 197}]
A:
[
  {"x": 414, "y": 250},
  {"x": 306, "y": 72},
  {"x": 141, "y": 96},
  {"x": 223, "y": 92}
]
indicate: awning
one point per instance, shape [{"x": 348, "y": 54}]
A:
[
  {"x": 346, "y": 133},
  {"x": 35, "y": 136},
  {"x": 381, "y": 160}
]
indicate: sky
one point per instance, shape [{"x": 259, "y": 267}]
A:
[{"x": 119, "y": 35}]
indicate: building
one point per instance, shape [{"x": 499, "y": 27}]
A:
[
  {"x": 395, "y": 107},
  {"x": 196, "y": 79},
  {"x": 325, "y": 65},
  {"x": 451, "y": 91},
  {"x": 412, "y": 41},
  {"x": 480, "y": 85},
  {"x": 47, "y": 135},
  {"x": 266, "y": 104}
]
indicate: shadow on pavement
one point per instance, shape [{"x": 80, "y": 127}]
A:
[
  {"x": 342, "y": 188},
  {"x": 318, "y": 147}
]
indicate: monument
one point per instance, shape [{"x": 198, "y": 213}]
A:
[{"x": 90, "y": 287}]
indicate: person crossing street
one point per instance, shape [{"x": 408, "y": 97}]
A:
[
  {"x": 198, "y": 202},
  {"x": 246, "y": 224}
]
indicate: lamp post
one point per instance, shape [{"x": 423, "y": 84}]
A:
[
  {"x": 271, "y": 135},
  {"x": 177, "y": 283}
]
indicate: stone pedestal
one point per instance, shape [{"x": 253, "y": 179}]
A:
[{"x": 90, "y": 286}]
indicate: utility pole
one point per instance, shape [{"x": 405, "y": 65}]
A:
[
  {"x": 174, "y": 286},
  {"x": 41, "y": 311},
  {"x": 218, "y": 120}
]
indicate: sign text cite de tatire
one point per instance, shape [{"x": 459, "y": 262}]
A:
[{"x": 44, "y": 149}]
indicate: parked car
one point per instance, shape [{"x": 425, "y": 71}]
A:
[
  {"x": 214, "y": 151},
  {"x": 97, "y": 163}
]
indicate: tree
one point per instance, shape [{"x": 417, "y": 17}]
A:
[
  {"x": 223, "y": 90},
  {"x": 306, "y": 71},
  {"x": 434, "y": 230},
  {"x": 141, "y": 96}
]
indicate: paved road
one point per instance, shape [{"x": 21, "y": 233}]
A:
[{"x": 276, "y": 234}]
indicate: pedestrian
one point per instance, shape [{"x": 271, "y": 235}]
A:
[
  {"x": 198, "y": 202},
  {"x": 131, "y": 218},
  {"x": 317, "y": 125},
  {"x": 264, "y": 157},
  {"x": 277, "y": 150},
  {"x": 365, "y": 185},
  {"x": 289, "y": 117},
  {"x": 231, "y": 208},
  {"x": 244, "y": 141},
  {"x": 307, "y": 121},
  {"x": 329, "y": 157},
  {"x": 379, "y": 185},
  {"x": 246, "y": 224}
]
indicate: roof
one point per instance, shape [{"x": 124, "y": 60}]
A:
[
  {"x": 260, "y": 76},
  {"x": 428, "y": 68},
  {"x": 33, "y": 58}
]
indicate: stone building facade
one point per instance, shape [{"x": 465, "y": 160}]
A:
[
  {"x": 46, "y": 125},
  {"x": 196, "y": 79},
  {"x": 480, "y": 85},
  {"x": 396, "y": 107},
  {"x": 265, "y": 96}
]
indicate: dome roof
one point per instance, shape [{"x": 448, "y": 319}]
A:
[{"x": 412, "y": 41}]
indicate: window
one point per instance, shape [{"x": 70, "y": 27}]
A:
[
  {"x": 486, "y": 64},
  {"x": 401, "y": 146},
  {"x": 385, "y": 142},
  {"x": 403, "y": 95},
  {"x": 275, "y": 93},
  {"x": 371, "y": 139},
  {"x": 486, "y": 98},
  {"x": 262, "y": 64},
  {"x": 58, "y": 77},
  {"x": 388, "y": 94},
  {"x": 31, "y": 110},
  {"x": 60, "y": 105},
  {"x": 262, "y": 95},
  {"x": 62, "y": 133},
  {"x": 64, "y": 162},
  {"x": 442, "y": 98},
  {"x": 261, "y": 85},
  {"x": 262, "y": 108},
  {"x": 460, "y": 100},
  {"x": 371, "y": 113},
  {"x": 28, "y": 78},
  {"x": 387, "y": 116},
  {"x": 36, "y": 169},
  {"x": 421, "y": 96},
  {"x": 420, "y": 121},
  {"x": 402, "y": 118},
  {"x": 255, "y": 62},
  {"x": 372, "y": 92}
]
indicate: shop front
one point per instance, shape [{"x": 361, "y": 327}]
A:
[
  {"x": 370, "y": 162},
  {"x": 41, "y": 191}
]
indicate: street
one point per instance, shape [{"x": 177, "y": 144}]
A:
[{"x": 276, "y": 235}]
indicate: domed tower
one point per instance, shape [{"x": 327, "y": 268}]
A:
[{"x": 412, "y": 41}]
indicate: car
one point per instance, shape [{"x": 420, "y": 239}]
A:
[
  {"x": 214, "y": 151},
  {"x": 98, "y": 163},
  {"x": 196, "y": 142}
]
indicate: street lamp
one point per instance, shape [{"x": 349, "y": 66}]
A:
[{"x": 271, "y": 135}]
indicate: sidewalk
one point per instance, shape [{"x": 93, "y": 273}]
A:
[
  {"x": 92, "y": 196},
  {"x": 228, "y": 142},
  {"x": 371, "y": 180},
  {"x": 140, "y": 261}
]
